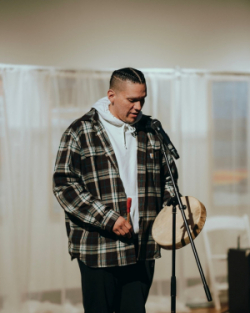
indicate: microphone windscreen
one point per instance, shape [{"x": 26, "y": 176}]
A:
[{"x": 155, "y": 124}]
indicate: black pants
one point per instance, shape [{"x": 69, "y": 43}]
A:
[{"x": 120, "y": 289}]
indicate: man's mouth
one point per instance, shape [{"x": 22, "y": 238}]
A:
[{"x": 134, "y": 114}]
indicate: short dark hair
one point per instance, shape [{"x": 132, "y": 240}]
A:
[{"x": 127, "y": 73}]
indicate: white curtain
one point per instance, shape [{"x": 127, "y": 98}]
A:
[{"x": 206, "y": 115}]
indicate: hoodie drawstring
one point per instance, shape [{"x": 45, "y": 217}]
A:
[{"x": 126, "y": 127}]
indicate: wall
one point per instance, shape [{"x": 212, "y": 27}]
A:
[{"x": 113, "y": 33}]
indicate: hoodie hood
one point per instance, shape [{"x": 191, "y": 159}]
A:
[{"x": 102, "y": 106}]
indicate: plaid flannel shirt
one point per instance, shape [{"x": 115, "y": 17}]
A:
[{"x": 87, "y": 185}]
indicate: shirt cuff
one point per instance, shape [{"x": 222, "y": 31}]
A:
[{"x": 109, "y": 220}]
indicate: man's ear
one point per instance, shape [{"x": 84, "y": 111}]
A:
[{"x": 111, "y": 95}]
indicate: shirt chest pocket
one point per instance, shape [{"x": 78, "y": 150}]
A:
[
  {"x": 94, "y": 164},
  {"x": 153, "y": 165},
  {"x": 94, "y": 170},
  {"x": 153, "y": 157}
]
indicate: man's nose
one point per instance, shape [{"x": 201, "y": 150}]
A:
[{"x": 137, "y": 105}]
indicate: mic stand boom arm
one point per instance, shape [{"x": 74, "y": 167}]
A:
[{"x": 177, "y": 201}]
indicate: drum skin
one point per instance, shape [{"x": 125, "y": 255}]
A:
[{"x": 162, "y": 227}]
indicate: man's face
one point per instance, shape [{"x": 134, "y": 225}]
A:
[{"x": 127, "y": 101}]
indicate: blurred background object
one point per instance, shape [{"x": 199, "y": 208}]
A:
[{"x": 229, "y": 225}]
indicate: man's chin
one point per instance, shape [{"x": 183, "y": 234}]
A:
[{"x": 131, "y": 120}]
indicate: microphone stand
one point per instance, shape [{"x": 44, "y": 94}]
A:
[{"x": 177, "y": 201}]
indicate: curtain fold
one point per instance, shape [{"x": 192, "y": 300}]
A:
[{"x": 207, "y": 117}]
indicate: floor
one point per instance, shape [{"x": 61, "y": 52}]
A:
[{"x": 224, "y": 309}]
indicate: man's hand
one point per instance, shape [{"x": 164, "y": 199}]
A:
[{"x": 122, "y": 227}]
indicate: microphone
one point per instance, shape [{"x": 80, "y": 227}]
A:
[{"x": 156, "y": 125}]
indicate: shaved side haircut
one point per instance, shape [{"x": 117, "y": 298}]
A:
[{"x": 126, "y": 74}]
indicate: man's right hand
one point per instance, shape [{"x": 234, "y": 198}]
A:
[{"x": 122, "y": 227}]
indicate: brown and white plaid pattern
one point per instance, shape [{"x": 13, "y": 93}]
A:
[{"x": 89, "y": 189}]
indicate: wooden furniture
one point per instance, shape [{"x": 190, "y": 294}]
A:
[{"x": 221, "y": 223}]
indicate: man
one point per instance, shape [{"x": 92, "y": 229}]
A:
[{"x": 106, "y": 156}]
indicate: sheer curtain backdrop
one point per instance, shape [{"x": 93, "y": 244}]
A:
[{"x": 207, "y": 116}]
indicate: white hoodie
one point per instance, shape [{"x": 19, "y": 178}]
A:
[{"x": 125, "y": 148}]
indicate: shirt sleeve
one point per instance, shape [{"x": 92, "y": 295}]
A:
[{"x": 70, "y": 190}]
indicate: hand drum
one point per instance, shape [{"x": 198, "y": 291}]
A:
[{"x": 162, "y": 228}]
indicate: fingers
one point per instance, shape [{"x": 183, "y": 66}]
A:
[
  {"x": 124, "y": 231},
  {"x": 122, "y": 228},
  {"x": 127, "y": 225}
]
